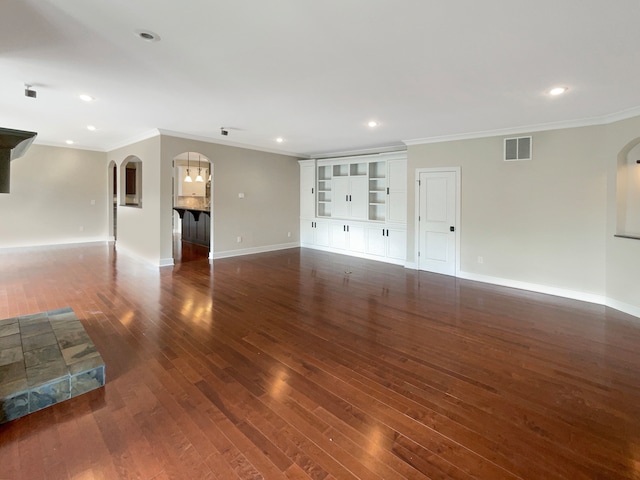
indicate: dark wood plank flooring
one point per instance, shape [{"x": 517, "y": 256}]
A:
[{"x": 284, "y": 366}]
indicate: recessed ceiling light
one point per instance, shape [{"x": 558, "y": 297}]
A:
[
  {"x": 69, "y": 142},
  {"x": 148, "y": 35},
  {"x": 86, "y": 98},
  {"x": 279, "y": 139},
  {"x": 558, "y": 91},
  {"x": 373, "y": 123},
  {"x": 91, "y": 128}
]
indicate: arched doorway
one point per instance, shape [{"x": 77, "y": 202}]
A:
[{"x": 192, "y": 202}]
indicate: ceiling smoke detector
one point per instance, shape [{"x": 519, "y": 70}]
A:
[{"x": 28, "y": 92}]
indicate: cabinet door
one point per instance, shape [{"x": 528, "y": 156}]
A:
[
  {"x": 307, "y": 232},
  {"x": 397, "y": 244},
  {"x": 307, "y": 190},
  {"x": 338, "y": 235},
  {"x": 376, "y": 241},
  {"x": 397, "y": 191},
  {"x": 356, "y": 238},
  {"x": 340, "y": 197},
  {"x": 322, "y": 233},
  {"x": 359, "y": 198}
]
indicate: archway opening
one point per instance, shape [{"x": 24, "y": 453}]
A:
[
  {"x": 192, "y": 207},
  {"x": 628, "y": 190}
]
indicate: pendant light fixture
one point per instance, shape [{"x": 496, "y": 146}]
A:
[
  {"x": 188, "y": 177},
  {"x": 199, "y": 177}
]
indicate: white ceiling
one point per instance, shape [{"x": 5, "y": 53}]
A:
[{"x": 313, "y": 72}]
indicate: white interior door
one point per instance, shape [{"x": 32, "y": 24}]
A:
[{"x": 437, "y": 222}]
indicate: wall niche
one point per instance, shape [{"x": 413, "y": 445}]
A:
[
  {"x": 628, "y": 191},
  {"x": 131, "y": 182}
]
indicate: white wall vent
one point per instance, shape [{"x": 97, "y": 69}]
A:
[{"x": 516, "y": 149}]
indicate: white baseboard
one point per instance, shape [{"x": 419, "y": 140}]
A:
[
  {"x": 252, "y": 250},
  {"x": 350, "y": 253},
  {"x": 147, "y": 262},
  {"x": 559, "y": 292},
  {"x": 64, "y": 243},
  {"x": 166, "y": 262},
  {"x": 535, "y": 287},
  {"x": 623, "y": 307}
]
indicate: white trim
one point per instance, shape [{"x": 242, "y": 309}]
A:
[
  {"x": 138, "y": 138},
  {"x": 541, "y": 127},
  {"x": 621, "y": 115},
  {"x": 166, "y": 262},
  {"x": 584, "y": 122},
  {"x": 122, "y": 144},
  {"x": 147, "y": 262},
  {"x": 250, "y": 251},
  {"x": 63, "y": 243},
  {"x": 535, "y": 287},
  {"x": 416, "y": 245},
  {"x": 221, "y": 141},
  {"x": 364, "y": 158},
  {"x": 558, "y": 292},
  {"x": 350, "y": 253},
  {"x": 364, "y": 151},
  {"x": 75, "y": 146},
  {"x": 623, "y": 307}
]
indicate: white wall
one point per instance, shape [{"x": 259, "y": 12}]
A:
[
  {"x": 270, "y": 207},
  {"x": 540, "y": 221},
  {"x": 628, "y": 186},
  {"x": 623, "y": 254},
  {"x": 139, "y": 227},
  {"x": 58, "y": 195}
]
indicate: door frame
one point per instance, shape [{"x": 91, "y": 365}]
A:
[
  {"x": 457, "y": 172},
  {"x": 112, "y": 215}
]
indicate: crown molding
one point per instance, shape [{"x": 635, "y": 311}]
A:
[
  {"x": 400, "y": 147},
  {"x": 583, "y": 122},
  {"x": 74, "y": 146},
  {"x": 200, "y": 138},
  {"x": 138, "y": 138}
]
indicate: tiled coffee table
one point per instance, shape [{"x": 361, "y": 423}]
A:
[{"x": 45, "y": 358}]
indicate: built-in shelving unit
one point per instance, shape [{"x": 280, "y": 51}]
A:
[
  {"x": 325, "y": 176},
  {"x": 377, "y": 191},
  {"x": 360, "y": 205}
]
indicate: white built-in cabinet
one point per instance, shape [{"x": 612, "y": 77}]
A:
[
  {"x": 350, "y": 189},
  {"x": 396, "y": 205},
  {"x": 314, "y": 232},
  {"x": 355, "y": 205},
  {"x": 347, "y": 236},
  {"x": 385, "y": 241},
  {"x": 307, "y": 189}
]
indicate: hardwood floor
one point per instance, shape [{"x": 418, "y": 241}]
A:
[{"x": 301, "y": 364}]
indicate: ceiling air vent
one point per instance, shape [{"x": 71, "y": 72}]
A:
[{"x": 517, "y": 149}]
